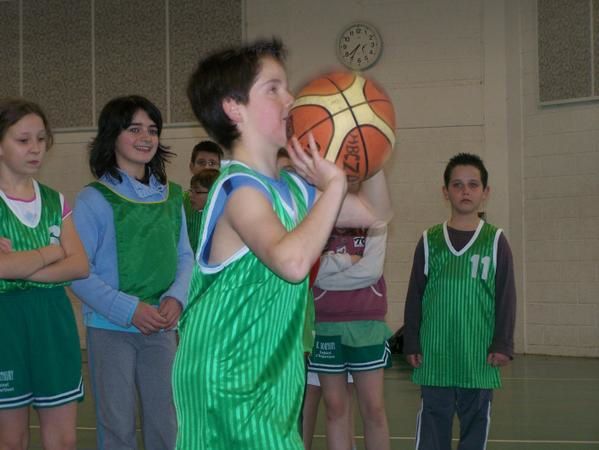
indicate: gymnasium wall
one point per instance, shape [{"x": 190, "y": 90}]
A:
[
  {"x": 462, "y": 74},
  {"x": 560, "y": 179}
]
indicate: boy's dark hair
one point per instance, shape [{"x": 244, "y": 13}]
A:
[
  {"x": 13, "y": 109},
  {"x": 208, "y": 147},
  {"x": 227, "y": 74},
  {"x": 205, "y": 178},
  {"x": 116, "y": 116},
  {"x": 466, "y": 159}
]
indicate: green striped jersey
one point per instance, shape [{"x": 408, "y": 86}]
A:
[
  {"x": 458, "y": 310},
  {"x": 31, "y": 236},
  {"x": 238, "y": 376}
]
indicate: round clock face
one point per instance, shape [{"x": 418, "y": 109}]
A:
[{"x": 359, "y": 46}]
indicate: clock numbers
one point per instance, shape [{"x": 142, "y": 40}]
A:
[{"x": 359, "y": 46}]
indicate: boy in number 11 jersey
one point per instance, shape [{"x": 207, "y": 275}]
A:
[{"x": 460, "y": 313}]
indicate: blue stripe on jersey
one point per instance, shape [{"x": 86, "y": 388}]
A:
[{"x": 239, "y": 180}]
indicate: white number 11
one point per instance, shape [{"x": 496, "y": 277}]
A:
[{"x": 485, "y": 261}]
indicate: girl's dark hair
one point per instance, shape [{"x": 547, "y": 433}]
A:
[
  {"x": 13, "y": 109},
  {"x": 115, "y": 117},
  {"x": 227, "y": 74}
]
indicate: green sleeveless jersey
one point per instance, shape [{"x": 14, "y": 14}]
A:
[
  {"x": 194, "y": 220},
  {"x": 136, "y": 224},
  {"x": 24, "y": 237},
  {"x": 238, "y": 376},
  {"x": 458, "y": 310}
]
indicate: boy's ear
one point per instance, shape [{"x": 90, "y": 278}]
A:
[
  {"x": 445, "y": 194},
  {"x": 486, "y": 192},
  {"x": 231, "y": 109}
]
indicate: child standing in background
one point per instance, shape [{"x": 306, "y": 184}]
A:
[
  {"x": 351, "y": 334},
  {"x": 199, "y": 187},
  {"x": 205, "y": 155},
  {"x": 40, "y": 252},
  {"x": 133, "y": 229},
  {"x": 460, "y": 313}
]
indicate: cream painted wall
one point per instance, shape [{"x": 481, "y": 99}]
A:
[
  {"x": 443, "y": 65},
  {"x": 462, "y": 75},
  {"x": 560, "y": 206}
]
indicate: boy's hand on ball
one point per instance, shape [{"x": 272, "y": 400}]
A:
[
  {"x": 313, "y": 167},
  {"x": 147, "y": 319},
  {"x": 170, "y": 309}
]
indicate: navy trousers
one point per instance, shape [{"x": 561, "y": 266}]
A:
[{"x": 435, "y": 418}]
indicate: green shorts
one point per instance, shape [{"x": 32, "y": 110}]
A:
[
  {"x": 40, "y": 361},
  {"x": 343, "y": 352}
]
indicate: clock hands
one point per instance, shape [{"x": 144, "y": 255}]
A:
[
  {"x": 353, "y": 52},
  {"x": 358, "y": 46}
]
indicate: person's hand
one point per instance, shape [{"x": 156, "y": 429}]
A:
[
  {"x": 414, "y": 360},
  {"x": 52, "y": 253},
  {"x": 147, "y": 319},
  {"x": 5, "y": 245},
  {"x": 355, "y": 258},
  {"x": 312, "y": 166},
  {"x": 498, "y": 359},
  {"x": 170, "y": 309}
]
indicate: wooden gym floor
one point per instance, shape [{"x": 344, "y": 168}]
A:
[{"x": 547, "y": 403}]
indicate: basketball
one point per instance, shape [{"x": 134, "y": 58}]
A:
[{"x": 352, "y": 120}]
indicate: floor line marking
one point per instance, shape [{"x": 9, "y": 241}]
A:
[{"x": 504, "y": 441}]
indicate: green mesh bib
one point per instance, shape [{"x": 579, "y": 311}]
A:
[{"x": 145, "y": 271}]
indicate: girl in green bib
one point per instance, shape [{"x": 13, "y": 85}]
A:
[
  {"x": 133, "y": 229},
  {"x": 40, "y": 252}
]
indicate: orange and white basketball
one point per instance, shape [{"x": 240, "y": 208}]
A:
[{"x": 352, "y": 120}]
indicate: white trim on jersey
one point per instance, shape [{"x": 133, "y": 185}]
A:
[
  {"x": 495, "y": 247},
  {"x": 468, "y": 245},
  {"x": 215, "y": 268},
  {"x": 425, "y": 243},
  {"x": 21, "y": 208},
  {"x": 292, "y": 210}
]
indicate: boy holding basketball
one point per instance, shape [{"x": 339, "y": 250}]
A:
[
  {"x": 261, "y": 233},
  {"x": 460, "y": 313}
]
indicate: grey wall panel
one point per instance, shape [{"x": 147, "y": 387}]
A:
[
  {"x": 130, "y": 49},
  {"x": 197, "y": 28},
  {"x": 9, "y": 50},
  {"x": 57, "y": 59},
  {"x": 564, "y": 35}
]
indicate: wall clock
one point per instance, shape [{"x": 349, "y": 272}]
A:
[{"x": 359, "y": 46}]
